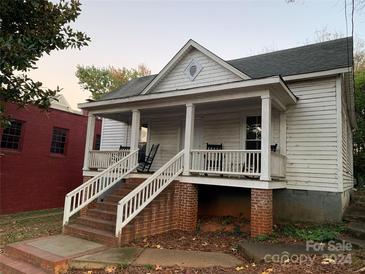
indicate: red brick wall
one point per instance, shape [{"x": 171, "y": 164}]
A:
[
  {"x": 175, "y": 208},
  {"x": 261, "y": 212},
  {"x": 33, "y": 178}
]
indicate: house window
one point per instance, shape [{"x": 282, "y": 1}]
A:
[
  {"x": 253, "y": 132},
  {"x": 11, "y": 136},
  {"x": 97, "y": 142},
  {"x": 59, "y": 138}
]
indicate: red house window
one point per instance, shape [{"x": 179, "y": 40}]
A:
[
  {"x": 12, "y": 134},
  {"x": 59, "y": 139}
]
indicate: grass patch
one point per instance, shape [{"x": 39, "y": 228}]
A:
[
  {"x": 317, "y": 233},
  {"x": 28, "y": 225}
]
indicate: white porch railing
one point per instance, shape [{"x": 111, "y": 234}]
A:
[
  {"x": 90, "y": 190},
  {"x": 141, "y": 196},
  {"x": 230, "y": 162},
  {"x": 105, "y": 158}
]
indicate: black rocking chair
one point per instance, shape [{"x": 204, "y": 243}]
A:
[
  {"x": 124, "y": 148},
  {"x": 214, "y": 164},
  {"x": 146, "y": 163}
]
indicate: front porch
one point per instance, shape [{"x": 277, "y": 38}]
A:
[{"x": 248, "y": 151}]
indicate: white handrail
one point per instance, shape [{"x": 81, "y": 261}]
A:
[
  {"x": 105, "y": 158},
  {"x": 227, "y": 162},
  {"x": 141, "y": 196},
  {"x": 93, "y": 188}
]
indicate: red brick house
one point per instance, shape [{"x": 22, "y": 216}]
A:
[{"x": 41, "y": 156}]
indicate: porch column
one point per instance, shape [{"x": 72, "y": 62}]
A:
[
  {"x": 265, "y": 138},
  {"x": 136, "y": 121},
  {"x": 89, "y": 140},
  {"x": 189, "y": 136},
  {"x": 282, "y": 133}
]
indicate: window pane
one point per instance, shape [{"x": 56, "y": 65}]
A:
[
  {"x": 59, "y": 137},
  {"x": 12, "y": 135},
  {"x": 253, "y": 132}
]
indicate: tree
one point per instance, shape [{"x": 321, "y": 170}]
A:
[
  {"x": 28, "y": 30},
  {"x": 359, "y": 134},
  {"x": 100, "y": 81}
]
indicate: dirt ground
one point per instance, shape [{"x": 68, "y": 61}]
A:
[{"x": 29, "y": 225}]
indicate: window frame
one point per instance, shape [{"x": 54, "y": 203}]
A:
[
  {"x": 65, "y": 143},
  {"x": 96, "y": 142},
  {"x": 21, "y": 137},
  {"x": 257, "y": 140}
]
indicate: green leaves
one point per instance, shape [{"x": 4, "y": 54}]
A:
[
  {"x": 100, "y": 81},
  {"x": 28, "y": 30},
  {"x": 359, "y": 134}
]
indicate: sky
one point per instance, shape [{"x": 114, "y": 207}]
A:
[{"x": 128, "y": 33}]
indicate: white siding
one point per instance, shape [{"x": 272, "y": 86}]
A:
[
  {"x": 211, "y": 74},
  {"x": 222, "y": 130},
  {"x": 227, "y": 129},
  {"x": 114, "y": 134},
  {"x": 165, "y": 132},
  {"x": 347, "y": 167},
  {"x": 312, "y": 137}
]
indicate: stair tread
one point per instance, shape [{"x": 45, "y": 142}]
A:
[
  {"x": 20, "y": 266},
  {"x": 87, "y": 218},
  {"x": 92, "y": 230},
  {"x": 355, "y": 241},
  {"x": 357, "y": 226},
  {"x": 101, "y": 211}
]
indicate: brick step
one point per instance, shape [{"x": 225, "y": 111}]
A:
[
  {"x": 106, "y": 206},
  {"x": 96, "y": 223},
  {"x": 91, "y": 234},
  {"x": 357, "y": 230},
  {"x": 26, "y": 253},
  {"x": 102, "y": 214},
  {"x": 113, "y": 198},
  {"x": 10, "y": 266}
]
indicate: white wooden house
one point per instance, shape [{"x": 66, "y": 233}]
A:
[{"x": 299, "y": 101}]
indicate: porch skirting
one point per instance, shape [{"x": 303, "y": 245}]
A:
[{"x": 309, "y": 205}]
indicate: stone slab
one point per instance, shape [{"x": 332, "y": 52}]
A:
[
  {"x": 112, "y": 256},
  {"x": 64, "y": 245},
  {"x": 256, "y": 251},
  {"x": 171, "y": 257}
]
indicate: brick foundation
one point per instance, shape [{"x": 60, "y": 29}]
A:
[
  {"x": 261, "y": 212},
  {"x": 176, "y": 208},
  {"x": 186, "y": 206}
]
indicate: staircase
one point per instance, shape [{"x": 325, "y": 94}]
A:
[
  {"x": 355, "y": 218},
  {"x": 97, "y": 222},
  {"x": 139, "y": 207}
]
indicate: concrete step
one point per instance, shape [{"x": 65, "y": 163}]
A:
[
  {"x": 357, "y": 230},
  {"x": 354, "y": 214},
  {"x": 11, "y": 266},
  {"x": 356, "y": 243},
  {"x": 96, "y": 223},
  {"x": 91, "y": 234},
  {"x": 29, "y": 254}
]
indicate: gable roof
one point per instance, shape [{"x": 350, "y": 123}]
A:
[
  {"x": 318, "y": 57},
  {"x": 192, "y": 44},
  {"x": 306, "y": 59}
]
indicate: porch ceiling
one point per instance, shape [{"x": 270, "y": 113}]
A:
[{"x": 237, "y": 92}]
